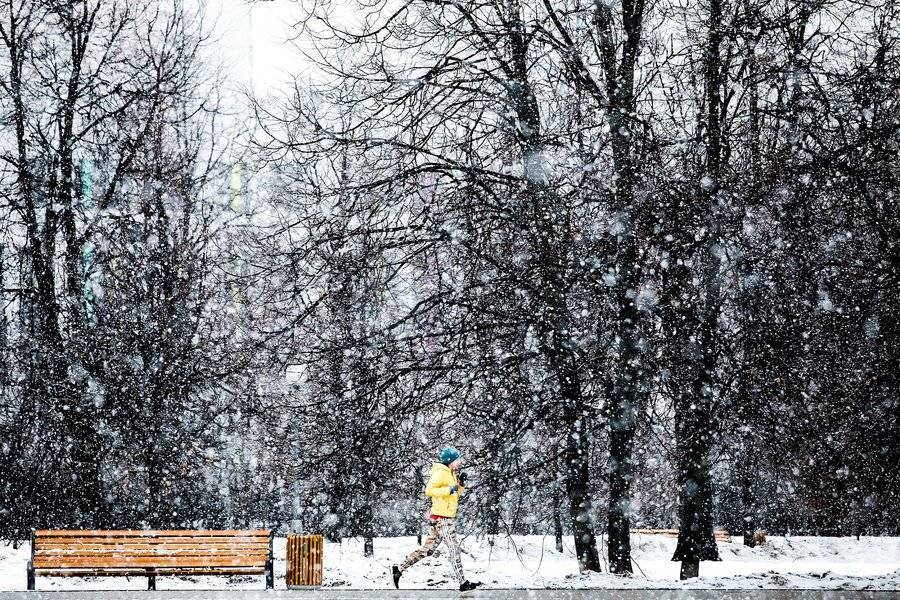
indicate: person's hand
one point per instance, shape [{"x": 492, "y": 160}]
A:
[{"x": 453, "y": 489}]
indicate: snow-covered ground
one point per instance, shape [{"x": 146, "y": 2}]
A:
[{"x": 532, "y": 562}]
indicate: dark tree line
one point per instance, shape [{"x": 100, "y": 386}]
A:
[
  {"x": 639, "y": 260},
  {"x": 620, "y": 231},
  {"x": 115, "y": 355}
]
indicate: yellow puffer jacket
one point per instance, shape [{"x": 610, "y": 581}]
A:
[{"x": 443, "y": 503}]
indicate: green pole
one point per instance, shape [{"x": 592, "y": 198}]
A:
[{"x": 86, "y": 174}]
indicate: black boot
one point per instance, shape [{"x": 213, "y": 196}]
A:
[
  {"x": 468, "y": 586},
  {"x": 396, "y": 573}
]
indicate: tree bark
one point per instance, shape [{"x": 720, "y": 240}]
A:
[
  {"x": 577, "y": 480},
  {"x": 557, "y": 524},
  {"x": 748, "y": 520},
  {"x": 693, "y": 411},
  {"x": 554, "y": 322},
  {"x": 689, "y": 569},
  {"x": 625, "y": 400},
  {"x": 696, "y": 541}
]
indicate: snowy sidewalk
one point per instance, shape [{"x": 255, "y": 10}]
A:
[{"x": 453, "y": 595}]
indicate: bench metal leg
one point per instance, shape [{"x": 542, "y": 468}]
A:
[
  {"x": 270, "y": 570},
  {"x": 30, "y": 576},
  {"x": 151, "y": 582}
]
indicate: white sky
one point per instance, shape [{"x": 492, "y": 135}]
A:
[{"x": 252, "y": 38}]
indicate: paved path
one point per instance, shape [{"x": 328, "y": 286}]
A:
[{"x": 453, "y": 595}]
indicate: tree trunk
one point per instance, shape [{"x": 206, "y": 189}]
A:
[
  {"x": 689, "y": 569},
  {"x": 622, "y": 425},
  {"x": 624, "y": 400},
  {"x": 748, "y": 522},
  {"x": 539, "y": 199},
  {"x": 693, "y": 412},
  {"x": 557, "y": 523},
  {"x": 696, "y": 541},
  {"x": 493, "y": 508},
  {"x": 577, "y": 479}
]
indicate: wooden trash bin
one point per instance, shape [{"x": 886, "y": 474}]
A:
[{"x": 305, "y": 554}]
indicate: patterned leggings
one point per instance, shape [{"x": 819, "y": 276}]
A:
[{"x": 442, "y": 530}]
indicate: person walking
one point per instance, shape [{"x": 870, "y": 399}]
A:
[{"x": 445, "y": 486}]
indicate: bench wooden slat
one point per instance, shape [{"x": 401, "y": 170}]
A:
[
  {"x": 136, "y": 545},
  {"x": 150, "y": 561},
  {"x": 152, "y": 540},
  {"x": 167, "y": 571},
  {"x": 156, "y": 533},
  {"x": 148, "y": 550},
  {"x": 113, "y": 556},
  {"x": 160, "y": 544},
  {"x": 75, "y": 554},
  {"x": 718, "y": 534}
]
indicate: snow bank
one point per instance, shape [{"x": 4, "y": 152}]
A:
[{"x": 533, "y": 562}]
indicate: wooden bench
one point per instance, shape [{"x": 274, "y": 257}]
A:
[
  {"x": 131, "y": 552},
  {"x": 720, "y": 535}
]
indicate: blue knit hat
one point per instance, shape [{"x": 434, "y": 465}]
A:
[{"x": 448, "y": 455}]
